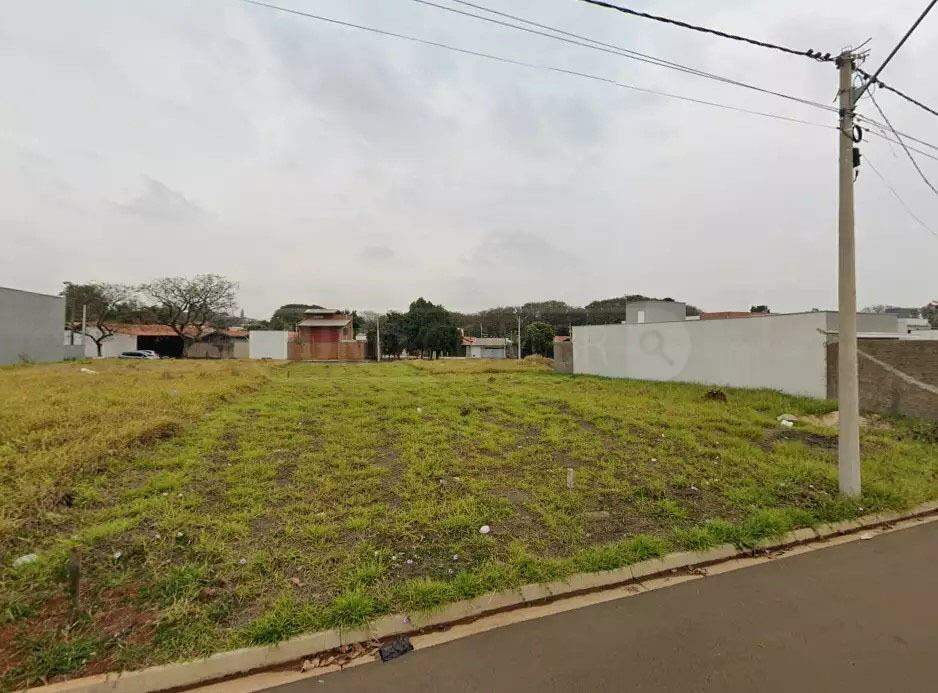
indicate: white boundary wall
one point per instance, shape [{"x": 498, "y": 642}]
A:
[
  {"x": 31, "y": 327},
  {"x": 780, "y": 352},
  {"x": 268, "y": 344},
  {"x": 112, "y": 347}
]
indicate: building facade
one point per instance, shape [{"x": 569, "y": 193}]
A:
[
  {"x": 325, "y": 334},
  {"x": 485, "y": 347},
  {"x": 638, "y": 312},
  {"x": 225, "y": 343},
  {"x": 785, "y": 352}
]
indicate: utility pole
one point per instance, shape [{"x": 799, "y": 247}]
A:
[
  {"x": 848, "y": 390},
  {"x": 519, "y": 335},
  {"x": 378, "y": 337},
  {"x": 84, "y": 326}
]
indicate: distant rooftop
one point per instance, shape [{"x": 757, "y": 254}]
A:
[
  {"x": 322, "y": 322},
  {"x": 321, "y": 311},
  {"x": 730, "y": 314},
  {"x": 485, "y": 341}
]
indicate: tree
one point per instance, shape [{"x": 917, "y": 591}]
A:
[
  {"x": 539, "y": 339},
  {"x": 393, "y": 334},
  {"x": 105, "y": 305},
  {"x": 190, "y": 306},
  {"x": 358, "y": 321},
  {"x": 287, "y": 316},
  {"x": 430, "y": 328},
  {"x": 760, "y": 309},
  {"x": 930, "y": 313}
]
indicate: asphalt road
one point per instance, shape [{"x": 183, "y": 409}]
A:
[{"x": 856, "y": 617}]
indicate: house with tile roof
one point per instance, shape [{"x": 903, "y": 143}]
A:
[
  {"x": 485, "y": 347},
  {"x": 325, "y": 334},
  {"x": 215, "y": 343}
]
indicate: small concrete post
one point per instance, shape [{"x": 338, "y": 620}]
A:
[
  {"x": 570, "y": 478},
  {"x": 74, "y": 582}
]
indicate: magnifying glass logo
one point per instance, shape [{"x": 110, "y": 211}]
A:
[{"x": 652, "y": 343}]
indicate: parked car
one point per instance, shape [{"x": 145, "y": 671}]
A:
[{"x": 139, "y": 355}]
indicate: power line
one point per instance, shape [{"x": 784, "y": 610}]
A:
[
  {"x": 898, "y": 132},
  {"x": 608, "y": 48},
  {"x": 886, "y": 137},
  {"x": 815, "y": 55},
  {"x": 911, "y": 158},
  {"x": 899, "y": 198},
  {"x": 549, "y": 68},
  {"x": 636, "y": 55},
  {"x": 559, "y": 70},
  {"x": 574, "y": 73},
  {"x": 896, "y": 49},
  {"x": 908, "y": 98}
]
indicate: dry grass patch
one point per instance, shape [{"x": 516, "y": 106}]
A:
[{"x": 61, "y": 427}]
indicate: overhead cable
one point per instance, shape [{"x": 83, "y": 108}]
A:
[
  {"x": 587, "y": 42},
  {"x": 815, "y": 55},
  {"x": 521, "y": 63}
]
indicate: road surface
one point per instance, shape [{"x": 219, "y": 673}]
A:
[{"x": 856, "y": 617}]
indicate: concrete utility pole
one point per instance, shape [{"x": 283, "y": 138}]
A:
[
  {"x": 84, "y": 326},
  {"x": 519, "y": 335},
  {"x": 378, "y": 336},
  {"x": 848, "y": 389}
]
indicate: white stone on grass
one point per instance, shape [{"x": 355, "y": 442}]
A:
[{"x": 25, "y": 560}]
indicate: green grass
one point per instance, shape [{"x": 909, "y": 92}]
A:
[{"x": 218, "y": 505}]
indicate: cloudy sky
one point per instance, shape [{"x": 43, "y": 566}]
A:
[{"x": 316, "y": 163}]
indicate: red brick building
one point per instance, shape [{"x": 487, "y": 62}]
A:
[{"x": 326, "y": 334}]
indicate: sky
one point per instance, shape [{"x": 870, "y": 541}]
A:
[{"x": 315, "y": 163}]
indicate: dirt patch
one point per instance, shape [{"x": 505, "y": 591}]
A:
[
  {"x": 832, "y": 420},
  {"x": 621, "y": 522},
  {"x": 263, "y": 526},
  {"x": 158, "y": 430},
  {"x": 799, "y": 436},
  {"x": 126, "y": 623},
  {"x": 108, "y": 617}
]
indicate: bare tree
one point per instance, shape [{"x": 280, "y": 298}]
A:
[
  {"x": 190, "y": 306},
  {"x": 930, "y": 313},
  {"x": 105, "y": 304}
]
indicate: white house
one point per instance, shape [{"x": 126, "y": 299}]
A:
[{"x": 485, "y": 347}]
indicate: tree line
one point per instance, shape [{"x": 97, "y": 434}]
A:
[
  {"x": 503, "y": 320},
  {"x": 928, "y": 312},
  {"x": 193, "y": 307}
]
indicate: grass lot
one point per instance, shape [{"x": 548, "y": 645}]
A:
[{"x": 217, "y": 505}]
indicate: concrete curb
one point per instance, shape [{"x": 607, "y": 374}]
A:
[{"x": 236, "y": 662}]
